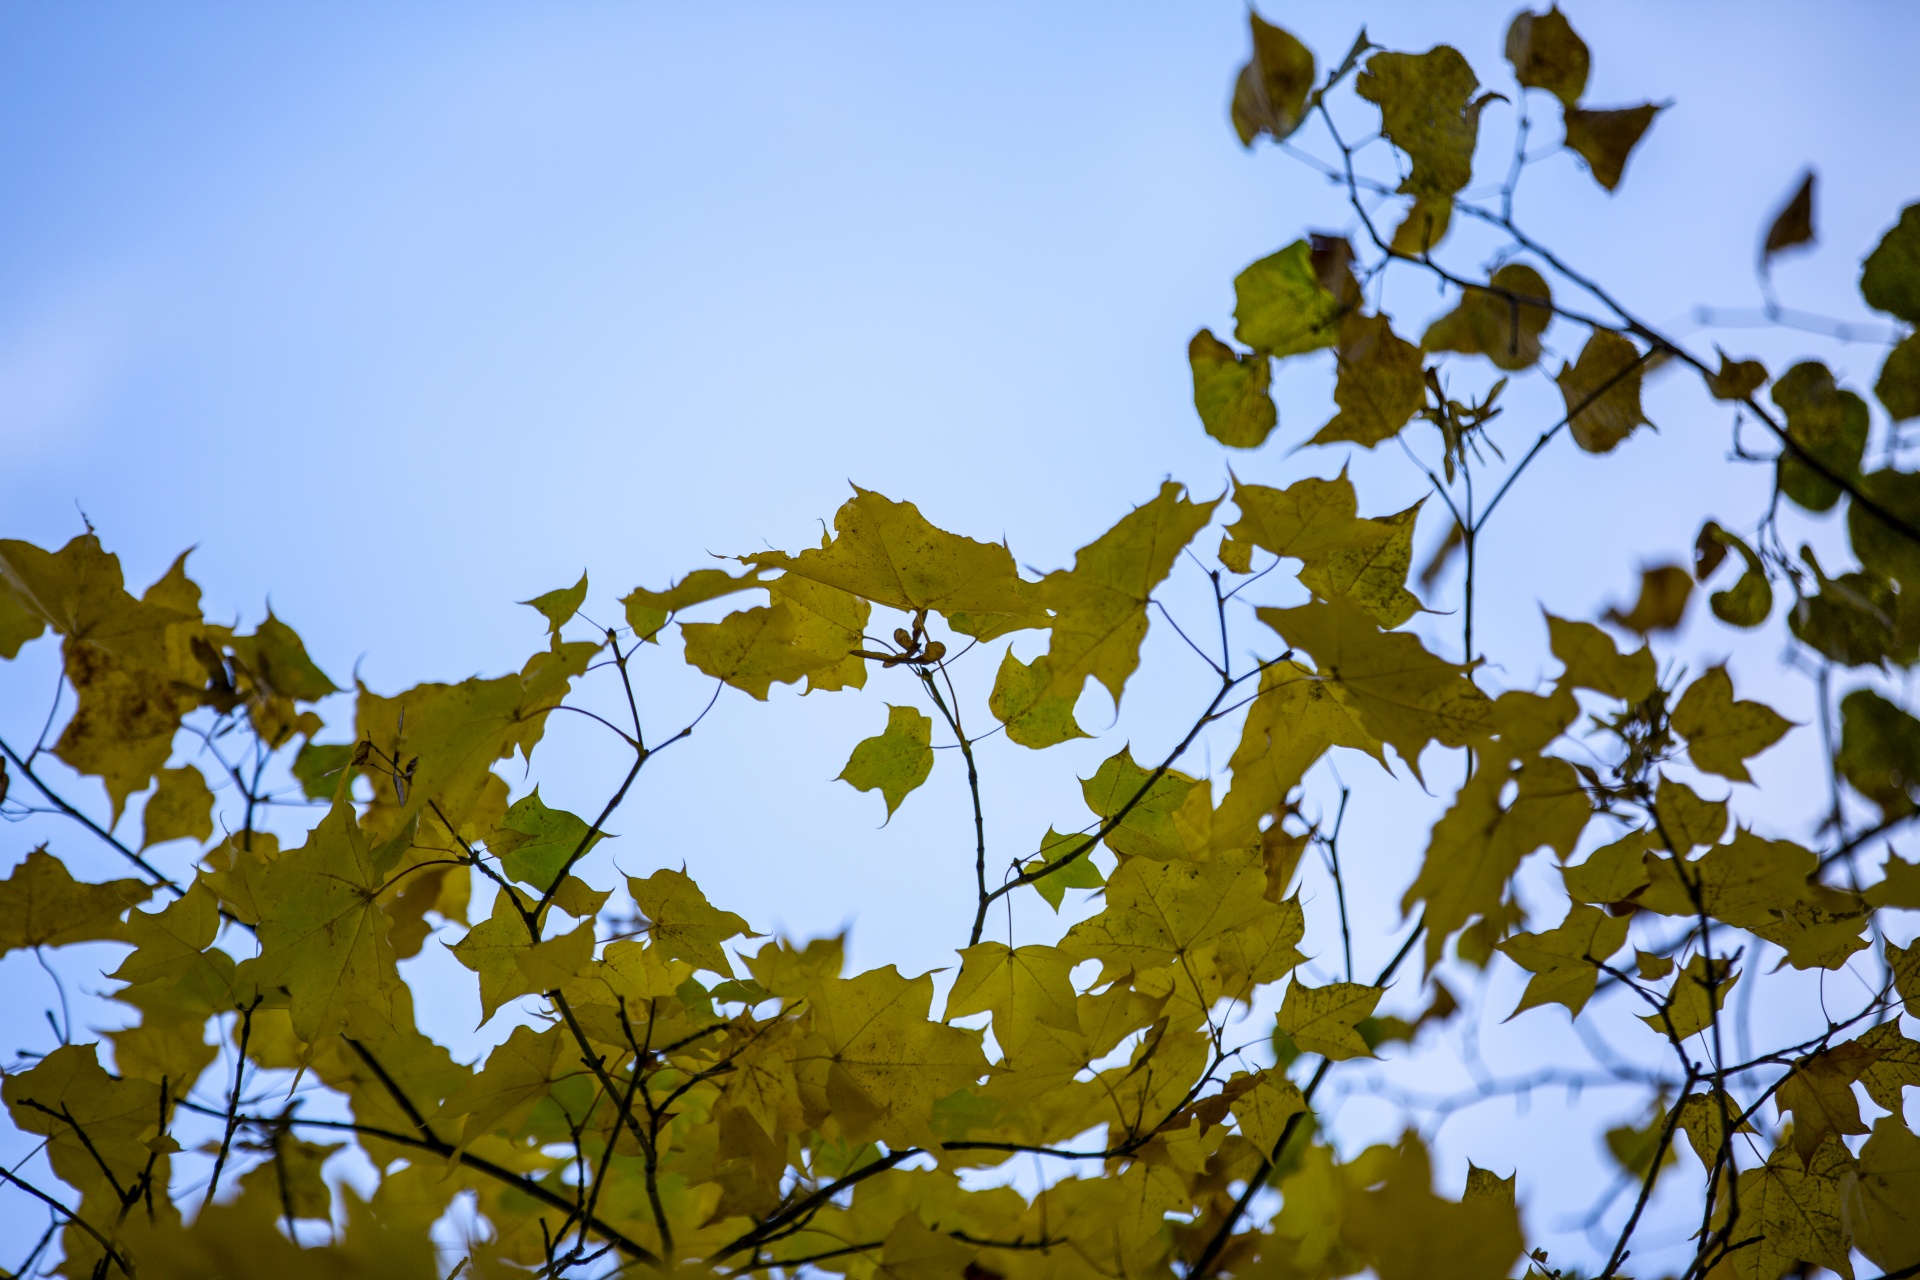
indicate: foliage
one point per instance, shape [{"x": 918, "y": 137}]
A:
[{"x": 680, "y": 1093}]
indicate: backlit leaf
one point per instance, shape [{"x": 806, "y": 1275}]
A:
[
  {"x": 1793, "y": 225},
  {"x": 1827, "y": 423},
  {"x": 1546, "y": 54},
  {"x": 1565, "y": 960},
  {"x": 1890, "y": 277},
  {"x": 1321, "y": 1019},
  {"x": 1723, "y": 734},
  {"x": 181, "y": 807},
  {"x": 1899, "y": 383},
  {"x": 894, "y": 761},
  {"x": 681, "y": 922},
  {"x": 1280, "y": 306},
  {"x": 1270, "y": 95},
  {"x": 43, "y": 906},
  {"x": 1024, "y": 700},
  {"x": 1230, "y": 391},
  {"x": 1593, "y": 662},
  {"x": 558, "y": 607},
  {"x": 1884, "y": 1209},
  {"x": 1427, "y": 109},
  {"x": 1381, "y": 383},
  {"x": 1499, "y": 322},
  {"x": 1604, "y": 139},
  {"x": 1100, "y": 605},
  {"x": 1602, "y": 391}
]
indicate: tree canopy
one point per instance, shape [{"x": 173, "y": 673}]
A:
[{"x": 1156, "y": 1091}]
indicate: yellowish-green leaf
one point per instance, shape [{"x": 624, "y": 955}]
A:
[
  {"x": 558, "y": 607},
  {"x": 1698, "y": 992},
  {"x": 1022, "y": 987},
  {"x": 752, "y": 649},
  {"x": 535, "y": 843},
  {"x": 1078, "y": 873},
  {"x": 1828, "y": 424},
  {"x": 1100, "y": 605},
  {"x": 1156, "y": 913},
  {"x": 41, "y": 905},
  {"x": 1685, "y": 821},
  {"x": 682, "y": 923},
  {"x": 1270, "y": 95},
  {"x": 1406, "y": 1232},
  {"x": 1723, "y": 734},
  {"x": 648, "y": 611},
  {"x": 885, "y": 1065},
  {"x": 1664, "y": 592},
  {"x": 1565, "y": 960},
  {"x": 828, "y": 625},
  {"x": 181, "y": 807},
  {"x": 1264, "y": 1109},
  {"x": 1895, "y": 1065},
  {"x": 1321, "y": 1019},
  {"x": 1291, "y": 724},
  {"x": 1593, "y": 661},
  {"x": 1898, "y": 385},
  {"x": 894, "y": 761},
  {"x": 1371, "y": 572},
  {"x": 518, "y": 1075},
  {"x": 1612, "y": 873},
  {"x": 1230, "y": 391},
  {"x": 1427, "y": 109},
  {"x": 1883, "y": 1208},
  {"x": 1478, "y": 844},
  {"x": 1380, "y": 386},
  {"x": 1880, "y": 752},
  {"x": 1024, "y": 700},
  {"x": 1819, "y": 1093},
  {"x": 1794, "y": 1215},
  {"x": 170, "y": 944},
  {"x": 322, "y": 934},
  {"x": 1397, "y": 691},
  {"x": 887, "y": 552},
  {"x": 1148, "y": 829},
  {"x": 1890, "y": 277},
  {"x": 1736, "y": 379},
  {"x": 1281, "y": 308}
]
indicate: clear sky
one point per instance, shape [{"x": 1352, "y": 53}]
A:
[{"x": 402, "y": 313}]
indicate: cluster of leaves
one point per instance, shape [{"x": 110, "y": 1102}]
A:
[{"x": 672, "y": 1101}]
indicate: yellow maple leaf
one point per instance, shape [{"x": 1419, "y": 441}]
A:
[
  {"x": 1100, "y": 605},
  {"x": 1321, "y": 1019},
  {"x": 681, "y": 922},
  {"x": 41, "y": 905},
  {"x": 1565, "y": 960}
]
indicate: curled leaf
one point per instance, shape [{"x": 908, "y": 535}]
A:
[
  {"x": 1793, "y": 225},
  {"x": 1500, "y": 322},
  {"x": 1602, "y": 391},
  {"x": 1604, "y": 139}
]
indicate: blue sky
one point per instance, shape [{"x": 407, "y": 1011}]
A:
[{"x": 402, "y": 313}]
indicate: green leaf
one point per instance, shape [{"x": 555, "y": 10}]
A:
[
  {"x": 1828, "y": 423},
  {"x": 1722, "y": 734},
  {"x": 1546, "y": 54},
  {"x": 1370, "y": 572},
  {"x": 1492, "y": 323},
  {"x": 1880, "y": 752},
  {"x": 1427, "y": 109},
  {"x": 1270, "y": 94},
  {"x": 1023, "y": 699},
  {"x": 1890, "y": 277},
  {"x": 1280, "y": 306},
  {"x": 534, "y": 842},
  {"x": 1899, "y": 384},
  {"x": 1080, "y": 873},
  {"x": 317, "y": 766},
  {"x": 1602, "y": 391},
  {"x": 558, "y": 607},
  {"x": 896, "y": 760},
  {"x": 1604, "y": 139},
  {"x": 1750, "y": 600},
  {"x": 1230, "y": 392}
]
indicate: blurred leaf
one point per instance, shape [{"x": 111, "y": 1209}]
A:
[
  {"x": 1381, "y": 383},
  {"x": 1830, "y": 424},
  {"x": 1280, "y": 306},
  {"x": 1890, "y": 277},
  {"x": 1793, "y": 225},
  {"x": 1664, "y": 592},
  {"x": 1427, "y": 109},
  {"x": 1880, "y": 752},
  {"x": 1270, "y": 94},
  {"x": 1898, "y": 386},
  {"x": 1230, "y": 392},
  {"x": 1604, "y": 139},
  {"x": 1493, "y": 322},
  {"x": 1546, "y": 54},
  {"x": 1602, "y": 391},
  {"x": 1722, "y": 734}
]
